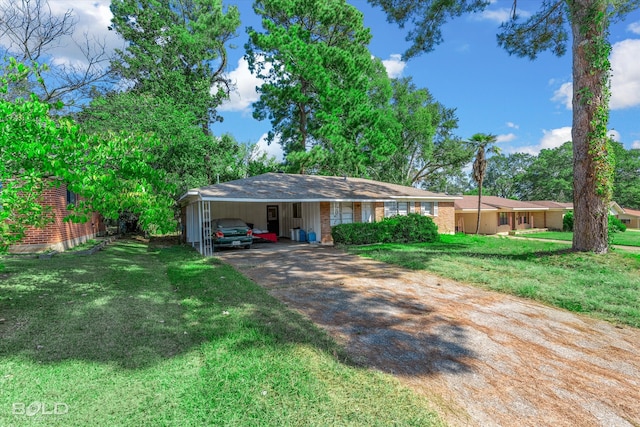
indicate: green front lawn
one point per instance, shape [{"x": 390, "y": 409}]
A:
[
  {"x": 604, "y": 286},
  {"x": 627, "y": 238},
  {"x": 138, "y": 337}
]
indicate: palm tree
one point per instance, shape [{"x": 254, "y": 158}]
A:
[{"x": 481, "y": 144}]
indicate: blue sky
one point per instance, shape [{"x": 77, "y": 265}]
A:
[{"x": 526, "y": 103}]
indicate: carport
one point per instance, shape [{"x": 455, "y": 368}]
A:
[{"x": 280, "y": 203}]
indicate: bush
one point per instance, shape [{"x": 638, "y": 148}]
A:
[
  {"x": 412, "y": 228},
  {"x": 567, "y": 222},
  {"x": 615, "y": 225}
]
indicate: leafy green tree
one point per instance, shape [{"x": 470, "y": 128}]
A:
[
  {"x": 326, "y": 97},
  {"x": 39, "y": 151},
  {"x": 189, "y": 157},
  {"x": 505, "y": 176},
  {"x": 427, "y": 149},
  {"x": 626, "y": 191},
  {"x": 550, "y": 176},
  {"x": 482, "y": 144},
  {"x": 547, "y": 29},
  {"x": 176, "y": 49}
]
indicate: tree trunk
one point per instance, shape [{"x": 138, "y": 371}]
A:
[
  {"x": 479, "y": 206},
  {"x": 590, "y": 206}
]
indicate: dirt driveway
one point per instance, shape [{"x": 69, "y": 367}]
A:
[{"x": 484, "y": 359}]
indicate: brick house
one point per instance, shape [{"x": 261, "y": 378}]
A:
[
  {"x": 59, "y": 235},
  {"x": 629, "y": 217},
  {"x": 280, "y": 203},
  {"x": 500, "y": 216}
]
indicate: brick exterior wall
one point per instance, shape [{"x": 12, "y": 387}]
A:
[
  {"x": 59, "y": 235},
  {"x": 357, "y": 212},
  {"x": 378, "y": 210},
  {"x": 325, "y": 223},
  {"x": 446, "y": 218}
]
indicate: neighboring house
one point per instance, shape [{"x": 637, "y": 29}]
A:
[
  {"x": 500, "y": 215},
  {"x": 629, "y": 217},
  {"x": 280, "y": 202},
  {"x": 59, "y": 235}
]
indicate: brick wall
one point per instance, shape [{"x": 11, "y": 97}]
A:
[
  {"x": 446, "y": 218},
  {"x": 325, "y": 223},
  {"x": 59, "y": 235},
  {"x": 357, "y": 212}
]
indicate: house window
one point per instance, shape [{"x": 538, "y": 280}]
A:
[
  {"x": 523, "y": 219},
  {"x": 626, "y": 221},
  {"x": 71, "y": 198},
  {"x": 430, "y": 208},
  {"x": 503, "y": 218},
  {"x": 297, "y": 210},
  {"x": 395, "y": 208},
  {"x": 341, "y": 213}
]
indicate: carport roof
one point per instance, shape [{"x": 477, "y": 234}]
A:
[{"x": 282, "y": 187}]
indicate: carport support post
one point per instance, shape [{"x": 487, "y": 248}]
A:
[{"x": 200, "y": 227}]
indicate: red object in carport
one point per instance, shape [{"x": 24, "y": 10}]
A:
[{"x": 272, "y": 237}]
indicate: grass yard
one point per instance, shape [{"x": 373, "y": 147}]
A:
[
  {"x": 133, "y": 336},
  {"x": 604, "y": 286},
  {"x": 627, "y": 238}
]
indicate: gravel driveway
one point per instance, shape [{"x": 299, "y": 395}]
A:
[{"x": 484, "y": 358}]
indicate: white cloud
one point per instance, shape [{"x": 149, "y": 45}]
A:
[
  {"x": 500, "y": 15},
  {"x": 615, "y": 135},
  {"x": 496, "y": 15},
  {"x": 394, "y": 65},
  {"x": 564, "y": 95},
  {"x": 506, "y": 137},
  {"x": 555, "y": 137},
  {"x": 625, "y": 80},
  {"x": 272, "y": 150},
  {"x": 244, "y": 93},
  {"x": 634, "y": 27},
  {"x": 636, "y": 144},
  {"x": 92, "y": 18},
  {"x": 512, "y": 125}
]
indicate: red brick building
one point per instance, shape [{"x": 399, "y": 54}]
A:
[{"x": 59, "y": 235}]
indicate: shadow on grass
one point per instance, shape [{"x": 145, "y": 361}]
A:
[{"x": 133, "y": 308}]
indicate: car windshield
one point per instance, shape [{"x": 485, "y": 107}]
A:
[{"x": 231, "y": 222}]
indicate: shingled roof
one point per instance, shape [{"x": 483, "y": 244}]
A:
[
  {"x": 282, "y": 187},
  {"x": 492, "y": 203}
]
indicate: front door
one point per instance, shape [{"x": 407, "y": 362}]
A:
[{"x": 273, "y": 219}]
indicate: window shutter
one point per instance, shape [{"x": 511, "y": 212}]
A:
[{"x": 435, "y": 208}]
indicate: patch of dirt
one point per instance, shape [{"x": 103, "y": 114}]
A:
[{"x": 483, "y": 358}]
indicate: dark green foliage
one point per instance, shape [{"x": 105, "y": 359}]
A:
[
  {"x": 427, "y": 18},
  {"x": 626, "y": 190},
  {"x": 542, "y": 31},
  {"x": 427, "y": 150},
  {"x": 412, "y": 228},
  {"x": 550, "y": 175},
  {"x": 325, "y": 96},
  {"x": 567, "y": 222},
  {"x": 615, "y": 225},
  {"x": 176, "y": 49}
]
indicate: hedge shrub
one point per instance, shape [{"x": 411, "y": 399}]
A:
[
  {"x": 615, "y": 225},
  {"x": 411, "y": 228}
]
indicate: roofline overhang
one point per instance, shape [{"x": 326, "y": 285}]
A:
[{"x": 202, "y": 198}]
